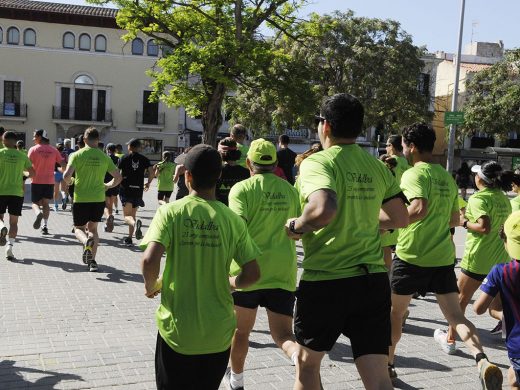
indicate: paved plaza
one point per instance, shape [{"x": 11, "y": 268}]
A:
[{"x": 62, "y": 327}]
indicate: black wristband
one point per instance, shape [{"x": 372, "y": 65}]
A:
[
  {"x": 292, "y": 228},
  {"x": 465, "y": 224},
  {"x": 479, "y": 356}
]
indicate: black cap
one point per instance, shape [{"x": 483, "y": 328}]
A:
[
  {"x": 42, "y": 133},
  {"x": 134, "y": 143},
  {"x": 203, "y": 160}
]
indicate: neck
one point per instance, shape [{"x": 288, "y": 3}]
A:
[
  {"x": 397, "y": 154},
  {"x": 282, "y": 146},
  {"x": 422, "y": 157},
  {"x": 330, "y": 142},
  {"x": 204, "y": 194}
]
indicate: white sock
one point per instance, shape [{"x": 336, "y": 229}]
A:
[
  {"x": 294, "y": 358},
  {"x": 11, "y": 241},
  {"x": 237, "y": 380},
  {"x": 63, "y": 195},
  {"x": 45, "y": 222}
]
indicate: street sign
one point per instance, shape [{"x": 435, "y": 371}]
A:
[{"x": 454, "y": 118}]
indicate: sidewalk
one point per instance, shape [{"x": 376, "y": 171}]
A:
[{"x": 62, "y": 327}]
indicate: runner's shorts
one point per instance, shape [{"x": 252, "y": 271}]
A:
[
  {"x": 112, "y": 192},
  {"x": 83, "y": 213},
  {"x": 473, "y": 275},
  {"x": 136, "y": 202},
  {"x": 41, "y": 191},
  {"x": 58, "y": 177},
  {"x": 12, "y": 203},
  {"x": 407, "y": 279},
  {"x": 161, "y": 195},
  {"x": 276, "y": 300},
  {"x": 357, "y": 307}
]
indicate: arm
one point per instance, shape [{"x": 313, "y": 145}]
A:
[
  {"x": 482, "y": 226},
  {"x": 177, "y": 173},
  {"x": 116, "y": 179},
  {"x": 455, "y": 219},
  {"x": 150, "y": 178},
  {"x": 393, "y": 214},
  {"x": 150, "y": 268},
  {"x": 249, "y": 275},
  {"x": 418, "y": 209},
  {"x": 67, "y": 175},
  {"x": 482, "y": 303},
  {"x": 31, "y": 172}
]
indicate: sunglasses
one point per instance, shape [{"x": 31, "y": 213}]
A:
[{"x": 318, "y": 119}]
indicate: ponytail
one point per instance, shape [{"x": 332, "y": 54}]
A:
[{"x": 505, "y": 179}]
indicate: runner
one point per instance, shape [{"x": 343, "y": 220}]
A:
[
  {"x": 200, "y": 236},
  {"x": 180, "y": 183},
  {"x": 44, "y": 158},
  {"x": 424, "y": 260},
  {"x": 133, "y": 167},
  {"x": 90, "y": 166},
  {"x": 286, "y": 157},
  {"x": 265, "y": 202},
  {"x": 13, "y": 164},
  {"x": 67, "y": 149},
  {"x": 164, "y": 171},
  {"x": 239, "y": 133},
  {"x": 119, "y": 154},
  {"x": 112, "y": 193},
  {"x": 20, "y": 145},
  {"x": 486, "y": 212},
  {"x": 344, "y": 286},
  {"x": 232, "y": 173},
  {"x": 394, "y": 148},
  {"x": 59, "y": 184}
]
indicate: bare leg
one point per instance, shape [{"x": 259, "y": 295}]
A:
[
  {"x": 308, "y": 369},
  {"x": 374, "y": 372},
  {"x": 467, "y": 287},
  {"x": 129, "y": 213},
  {"x": 240, "y": 346},
  {"x": 280, "y": 327},
  {"x": 495, "y": 309},
  {"x": 400, "y": 304},
  {"x": 13, "y": 226},
  {"x": 82, "y": 235},
  {"x": 512, "y": 379},
  {"x": 45, "y": 208}
]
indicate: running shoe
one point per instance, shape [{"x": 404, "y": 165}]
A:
[
  {"x": 64, "y": 204},
  {"x": 92, "y": 266},
  {"x": 391, "y": 372},
  {"x": 55, "y": 206},
  {"x": 45, "y": 231},
  {"x": 496, "y": 330},
  {"x": 128, "y": 241},
  {"x": 87, "y": 251},
  {"x": 3, "y": 235},
  {"x": 9, "y": 253},
  {"x": 490, "y": 376},
  {"x": 448, "y": 347},
  {"x": 138, "y": 232},
  {"x": 227, "y": 379},
  {"x": 117, "y": 211},
  {"x": 38, "y": 221},
  {"x": 109, "y": 224}
]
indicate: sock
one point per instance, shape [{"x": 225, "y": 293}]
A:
[
  {"x": 63, "y": 195},
  {"x": 479, "y": 356},
  {"x": 11, "y": 241},
  {"x": 45, "y": 222},
  {"x": 294, "y": 358},
  {"x": 237, "y": 380}
]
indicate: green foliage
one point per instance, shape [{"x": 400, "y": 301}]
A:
[{"x": 493, "y": 99}]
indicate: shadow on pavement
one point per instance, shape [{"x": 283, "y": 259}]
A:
[
  {"x": 11, "y": 377},
  {"x": 51, "y": 239},
  {"x": 254, "y": 344},
  {"x": 399, "y": 384}
]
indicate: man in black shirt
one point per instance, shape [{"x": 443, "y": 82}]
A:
[
  {"x": 112, "y": 193},
  {"x": 286, "y": 157},
  {"x": 133, "y": 167},
  {"x": 232, "y": 173}
]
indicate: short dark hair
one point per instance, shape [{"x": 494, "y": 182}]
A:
[
  {"x": 119, "y": 147},
  {"x": 284, "y": 139},
  {"x": 345, "y": 114},
  {"x": 111, "y": 148},
  {"x": 396, "y": 142},
  {"x": 91, "y": 134},
  {"x": 2, "y": 131},
  {"x": 231, "y": 153},
  {"x": 498, "y": 178},
  {"x": 238, "y": 129},
  {"x": 421, "y": 135},
  {"x": 9, "y": 135},
  {"x": 205, "y": 165}
]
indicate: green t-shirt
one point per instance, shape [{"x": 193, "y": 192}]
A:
[
  {"x": 12, "y": 165},
  {"x": 483, "y": 251},
  {"x": 515, "y": 204},
  {"x": 243, "y": 154},
  {"x": 427, "y": 242},
  {"x": 351, "y": 243},
  {"x": 90, "y": 166},
  {"x": 266, "y": 202},
  {"x": 201, "y": 238},
  {"x": 165, "y": 177},
  {"x": 402, "y": 166}
]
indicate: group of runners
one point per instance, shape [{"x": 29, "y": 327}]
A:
[{"x": 374, "y": 235}]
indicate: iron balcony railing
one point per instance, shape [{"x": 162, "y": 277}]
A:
[{"x": 73, "y": 114}]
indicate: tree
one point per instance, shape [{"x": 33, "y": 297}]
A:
[
  {"x": 216, "y": 45},
  {"x": 371, "y": 58},
  {"x": 493, "y": 99}
]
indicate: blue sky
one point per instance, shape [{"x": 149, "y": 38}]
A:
[{"x": 432, "y": 23}]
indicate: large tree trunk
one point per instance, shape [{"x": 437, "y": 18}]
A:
[{"x": 212, "y": 117}]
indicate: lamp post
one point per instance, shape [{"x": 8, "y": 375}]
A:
[{"x": 453, "y": 128}]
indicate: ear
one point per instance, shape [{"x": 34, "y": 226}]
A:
[
  {"x": 188, "y": 178},
  {"x": 325, "y": 129}
]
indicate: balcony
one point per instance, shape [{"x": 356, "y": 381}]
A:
[
  {"x": 150, "y": 120},
  {"x": 13, "y": 112},
  {"x": 71, "y": 115}
]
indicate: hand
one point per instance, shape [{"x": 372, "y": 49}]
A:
[
  {"x": 462, "y": 218},
  {"x": 153, "y": 291},
  {"x": 290, "y": 234},
  {"x": 147, "y": 186},
  {"x": 107, "y": 186}
]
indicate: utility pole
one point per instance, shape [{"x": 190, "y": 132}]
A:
[{"x": 453, "y": 128}]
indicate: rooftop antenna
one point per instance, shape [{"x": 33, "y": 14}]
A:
[{"x": 474, "y": 26}]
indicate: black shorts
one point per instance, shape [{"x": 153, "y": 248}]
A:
[
  {"x": 407, "y": 279},
  {"x": 83, "y": 213},
  {"x": 198, "y": 372},
  {"x": 473, "y": 275},
  {"x": 136, "y": 202},
  {"x": 357, "y": 307},
  {"x": 112, "y": 192},
  {"x": 12, "y": 203},
  {"x": 164, "y": 194},
  {"x": 276, "y": 300},
  {"x": 41, "y": 191}
]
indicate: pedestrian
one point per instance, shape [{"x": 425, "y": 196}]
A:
[
  {"x": 286, "y": 157},
  {"x": 133, "y": 167},
  {"x": 463, "y": 179},
  {"x": 394, "y": 148},
  {"x": 90, "y": 165},
  {"x": 425, "y": 254},
  {"x": 164, "y": 171},
  {"x": 44, "y": 158},
  {"x": 13, "y": 166},
  {"x": 181, "y": 190},
  {"x": 344, "y": 287},
  {"x": 66, "y": 146},
  {"x": 265, "y": 202},
  {"x": 238, "y": 132},
  {"x": 59, "y": 184},
  {"x": 232, "y": 173},
  {"x": 200, "y": 236},
  {"x": 112, "y": 193},
  {"x": 504, "y": 279}
]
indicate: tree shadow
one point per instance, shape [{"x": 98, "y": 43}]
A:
[
  {"x": 51, "y": 239},
  {"x": 254, "y": 344},
  {"x": 12, "y": 377}
]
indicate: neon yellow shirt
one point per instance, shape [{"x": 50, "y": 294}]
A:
[
  {"x": 165, "y": 177},
  {"x": 515, "y": 204},
  {"x": 12, "y": 165},
  {"x": 243, "y": 156}
]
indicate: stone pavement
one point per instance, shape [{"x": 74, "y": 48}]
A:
[{"x": 62, "y": 327}]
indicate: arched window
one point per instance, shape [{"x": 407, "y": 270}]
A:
[
  {"x": 1, "y": 35},
  {"x": 29, "y": 37},
  {"x": 100, "y": 43},
  {"x": 69, "y": 40},
  {"x": 84, "y": 42},
  {"x": 137, "y": 47},
  {"x": 83, "y": 79},
  {"x": 13, "y": 36},
  {"x": 152, "y": 49}
]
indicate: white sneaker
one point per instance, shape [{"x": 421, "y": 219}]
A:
[
  {"x": 9, "y": 253},
  {"x": 441, "y": 337}
]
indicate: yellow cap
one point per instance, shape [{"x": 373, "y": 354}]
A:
[
  {"x": 512, "y": 231},
  {"x": 262, "y": 152}
]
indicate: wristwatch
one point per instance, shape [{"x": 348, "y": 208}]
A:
[
  {"x": 465, "y": 224},
  {"x": 292, "y": 229}
]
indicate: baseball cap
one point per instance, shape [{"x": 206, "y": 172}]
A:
[
  {"x": 42, "y": 133},
  {"x": 134, "y": 143},
  {"x": 203, "y": 160},
  {"x": 512, "y": 232},
  {"x": 262, "y": 152}
]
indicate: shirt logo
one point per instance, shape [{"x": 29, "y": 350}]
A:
[{"x": 135, "y": 165}]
